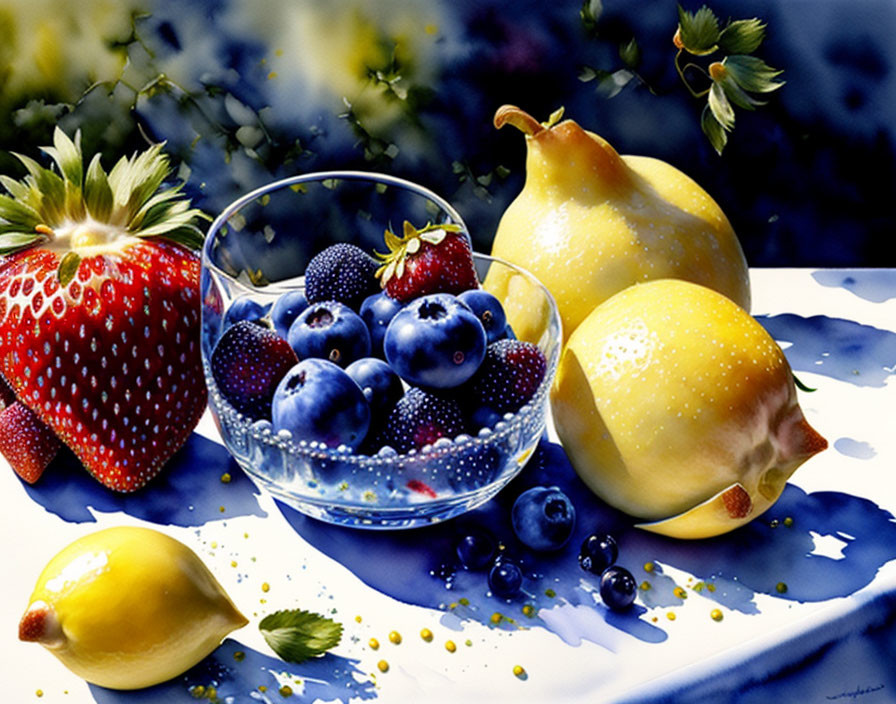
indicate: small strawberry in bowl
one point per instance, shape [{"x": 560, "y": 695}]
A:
[
  {"x": 99, "y": 314},
  {"x": 433, "y": 259}
]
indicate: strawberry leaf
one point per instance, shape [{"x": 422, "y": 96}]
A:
[
  {"x": 97, "y": 192},
  {"x": 14, "y": 241},
  {"x": 297, "y": 635},
  {"x": 67, "y": 155}
]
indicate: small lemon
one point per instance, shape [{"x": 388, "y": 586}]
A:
[
  {"x": 128, "y": 607},
  {"x": 676, "y": 406}
]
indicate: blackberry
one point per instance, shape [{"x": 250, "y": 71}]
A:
[
  {"x": 341, "y": 272},
  {"x": 247, "y": 364},
  {"x": 508, "y": 377},
  {"x": 420, "y": 418}
]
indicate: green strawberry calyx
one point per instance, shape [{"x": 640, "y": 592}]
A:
[
  {"x": 85, "y": 212},
  {"x": 412, "y": 239}
]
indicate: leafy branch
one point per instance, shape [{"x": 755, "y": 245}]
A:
[
  {"x": 611, "y": 82},
  {"x": 732, "y": 79}
]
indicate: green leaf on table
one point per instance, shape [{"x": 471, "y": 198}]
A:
[{"x": 296, "y": 635}]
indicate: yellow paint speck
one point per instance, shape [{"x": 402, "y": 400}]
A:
[
  {"x": 450, "y": 646},
  {"x": 382, "y": 666},
  {"x": 426, "y": 635},
  {"x": 394, "y": 637}
]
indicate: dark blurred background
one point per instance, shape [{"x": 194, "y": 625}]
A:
[{"x": 245, "y": 91}]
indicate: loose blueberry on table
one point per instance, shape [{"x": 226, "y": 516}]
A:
[
  {"x": 505, "y": 579},
  {"x": 617, "y": 588},
  {"x": 543, "y": 518},
  {"x": 598, "y": 552},
  {"x": 476, "y": 549}
]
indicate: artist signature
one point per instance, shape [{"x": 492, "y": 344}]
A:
[{"x": 855, "y": 693}]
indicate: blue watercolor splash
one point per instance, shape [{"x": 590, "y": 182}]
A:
[
  {"x": 858, "y": 449},
  {"x": 841, "y": 349},
  {"x": 188, "y": 492},
  {"x": 328, "y": 678},
  {"x": 419, "y": 566},
  {"x": 875, "y": 285}
]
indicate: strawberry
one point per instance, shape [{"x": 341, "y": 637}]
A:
[
  {"x": 26, "y": 443},
  {"x": 435, "y": 259},
  {"x": 100, "y": 310},
  {"x": 7, "y": 395}
]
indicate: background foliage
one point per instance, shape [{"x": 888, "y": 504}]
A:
[{"x": 245, "y": 91}]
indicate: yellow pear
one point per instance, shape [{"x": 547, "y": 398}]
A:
[
  {"x": 677, "y": 407},
  {"x": 128, "y": 607},
  {"x": 589, "y": 222}
]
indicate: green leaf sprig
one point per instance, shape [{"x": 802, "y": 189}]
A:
[
  {"x": 296, "y": 635},
  {"x": 732, "y": 80},
  {"x": 611, "y": 82}
]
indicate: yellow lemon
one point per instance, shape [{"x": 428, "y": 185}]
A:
[
  {"x": 677, "y": 407},
  {"x": 590, "y": 222},
  {"x": 128, "y": 607}
]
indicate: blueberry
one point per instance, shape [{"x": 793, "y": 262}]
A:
[
  {"x": 435, "y": 341},
  {"x": 317, "y": 400},
  {"x": 488, "y": 309},
  {"x": 598, "y": 552},
  {"x": 543, "y": 518},
  {"x": 617, "y": 588},
  {"x": 377, "y": 312},
  {"x": 382, "y": 387},
  {"x": 476, "y": 549},
  {"x": 505, "y": 579},
  {"x": 286, "y": 309},
  {"x": 244, "y": 308},
  {"x": 329, "y": 330},
  {"x": 484, "y": 417}
]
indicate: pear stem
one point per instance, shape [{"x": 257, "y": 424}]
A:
[{"x": 523, "y": 121}]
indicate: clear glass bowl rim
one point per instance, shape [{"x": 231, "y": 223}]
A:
[
  {"x": 318, "y": 452},
  {"x": 315, "y": 176}
]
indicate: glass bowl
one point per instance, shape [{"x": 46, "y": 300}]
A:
[{"x": 257, "y": 249}]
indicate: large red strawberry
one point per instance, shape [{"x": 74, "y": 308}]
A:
[
  {"x": 434, "y": 259},
  {"x": 99, "y": 308}
]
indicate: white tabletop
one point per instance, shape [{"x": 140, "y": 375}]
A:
[{"x": 829, "y": 637}]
